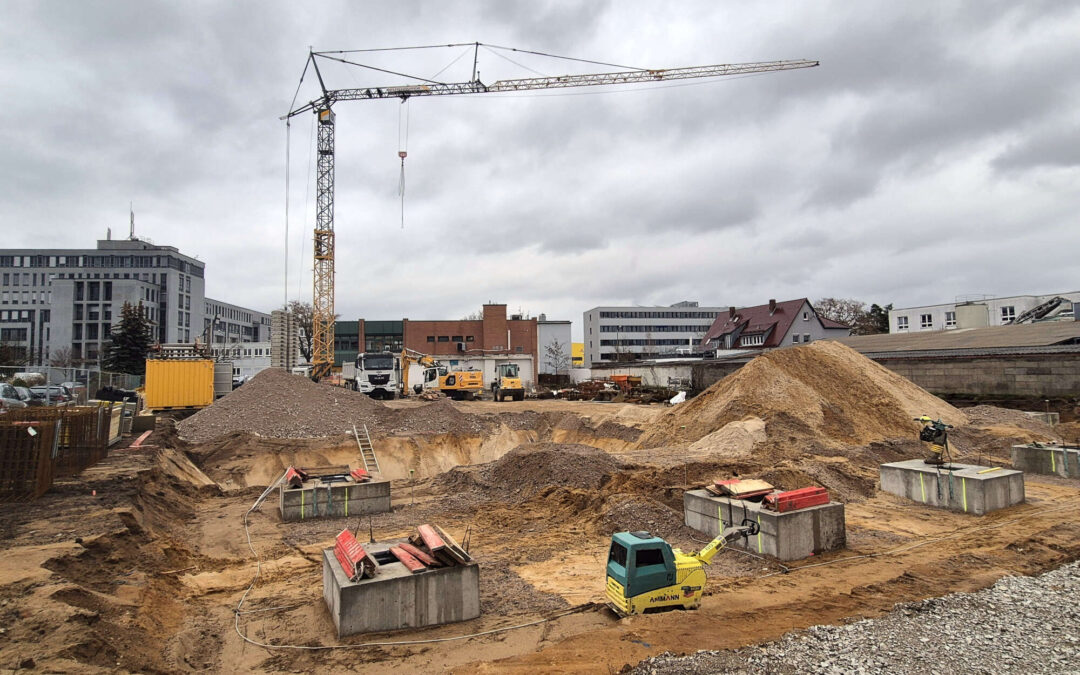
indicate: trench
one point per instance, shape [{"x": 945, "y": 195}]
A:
[{"x": 247, "y": 461}]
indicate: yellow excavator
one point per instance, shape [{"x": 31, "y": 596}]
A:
[
  {"x": 457, "y": 384},
  {"x": 645, "y": 574},
  {"x": 507, "y": 383}
]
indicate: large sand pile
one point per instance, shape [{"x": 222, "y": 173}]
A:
[{"x": 824, "y": 393}]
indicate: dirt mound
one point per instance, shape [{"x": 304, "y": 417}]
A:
[
  {"x": 992, "y": 416},
  {"x": 631, "y": 513},
  {"x": 275, "y": 404},
  {"x": 532, "y": 467},
  {"x": 279, "y": 405},
  {"x": 825, "y": 393}
]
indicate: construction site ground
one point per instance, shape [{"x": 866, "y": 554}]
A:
[{"x": 138, "y": 564}]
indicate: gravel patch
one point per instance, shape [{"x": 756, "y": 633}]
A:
[{"x": 1019, "y": 625}]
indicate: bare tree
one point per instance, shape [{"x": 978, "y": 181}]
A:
[
  {"x": 64, "y": 358},
  {"x": 12, "y": 354},
  {"x": 305, "y": 317},
  {"x": 842, "y": 310},
  {"x": 557, "y": 355}
]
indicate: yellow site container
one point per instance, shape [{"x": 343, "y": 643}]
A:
[{"x": 179, "y": 383}]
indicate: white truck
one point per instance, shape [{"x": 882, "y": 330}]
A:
[{"x": 376, "y": 374}]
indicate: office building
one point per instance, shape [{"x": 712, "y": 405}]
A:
[
  {"x": 629, "y": 333},
  {"x": 54, "y": 299}
]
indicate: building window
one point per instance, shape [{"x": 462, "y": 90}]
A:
[
  {"x": 431, "y": 338},
  {"x": 926, "y": 321},
  {"x": 806, "y": 316},
  {"x": 468, "y": 338},
  {"x": 444, "y": 338},
  {"x": 901, "y": 323},
  {"x": 519, "y": 349},
  {"x": 752, "y": 340},
  {"x": 806, "y": 337},
  {"x": 1008, "y": 314},
  {"x": 795, "y": 338},
  {"x": 950, "y": 319},
  {"x": 457, "y": 338}
]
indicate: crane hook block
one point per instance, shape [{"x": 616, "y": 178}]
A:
[{"x": 402, "y": 154}]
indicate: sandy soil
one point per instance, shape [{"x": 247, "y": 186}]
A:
[{"x": 137, "y": 565}]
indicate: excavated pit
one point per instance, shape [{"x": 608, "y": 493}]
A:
[{"x": 539, "y": 487}]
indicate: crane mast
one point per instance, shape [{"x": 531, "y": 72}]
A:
[{"x": 323, "y": 317}]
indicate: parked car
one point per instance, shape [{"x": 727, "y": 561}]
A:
[
  {"x": 77, "y": 389},
  {"x": 53, "y": 394},
  {"x": 28, "y": 397},
  {"x": 9, "y": 397}
]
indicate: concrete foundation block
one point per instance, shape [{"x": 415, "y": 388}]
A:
[
  {"x": 967, "y": 488},
  {"x": 396, "y": 598},
  {"x": 1047, "y": 459},
  {"x": 786, "y": 536},
  {"x": 329, "y": 500}
]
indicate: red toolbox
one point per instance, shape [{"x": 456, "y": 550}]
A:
[{"x": 793, "y": 500}]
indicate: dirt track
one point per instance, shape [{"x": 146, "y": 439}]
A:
[{"x": 145, "y": 575}]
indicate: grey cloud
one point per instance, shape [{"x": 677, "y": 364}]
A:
[{"x": 1056, "y": 146}]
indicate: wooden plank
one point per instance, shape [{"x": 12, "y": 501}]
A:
[
  {"x": 407, "y": 560},
  {"x": 432, "y": 540},
  {"x": 420, "y": 555},
  {"x": 452, "y": 547}
]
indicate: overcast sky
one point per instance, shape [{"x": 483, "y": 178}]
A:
[{"x": 934, "y": 153}]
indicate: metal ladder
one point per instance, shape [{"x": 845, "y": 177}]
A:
[{"x": 367, "y": 450}]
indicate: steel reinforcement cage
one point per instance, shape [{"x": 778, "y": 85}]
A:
[
  {"x": 27, "y": 449},
  {"x": 82, "y": 438}
]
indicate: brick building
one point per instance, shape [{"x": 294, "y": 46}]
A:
[{"x": 495, "y": 334}]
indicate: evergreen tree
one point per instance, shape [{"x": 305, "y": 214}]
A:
[{"x": 131, "y": 341}]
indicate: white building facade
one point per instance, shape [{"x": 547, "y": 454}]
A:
[
  {"x": 553, "y": 338},
  {"x": 976, "y": 312},
  {"x": 52, "y": 299},
  {"x": 626, "y": 333}
]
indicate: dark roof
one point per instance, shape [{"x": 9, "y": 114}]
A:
[
  {"x": 1023, "y": 335},
  {"x": 829, "y": 323},
  {"x": 758, "y": 319}
]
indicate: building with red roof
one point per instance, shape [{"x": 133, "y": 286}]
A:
[{"x": 775, "y": 324}]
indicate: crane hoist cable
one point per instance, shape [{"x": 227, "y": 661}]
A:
[{"x": 403, "y": 151}]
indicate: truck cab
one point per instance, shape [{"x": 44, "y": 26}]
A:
[
  {"x": 376, "y": 374},
  {"x": 508, "y": 382}
]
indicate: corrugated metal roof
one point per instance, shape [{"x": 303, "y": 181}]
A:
[{"x": 992, "y": 337}]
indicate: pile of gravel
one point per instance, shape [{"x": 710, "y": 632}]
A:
[
  {"x": 276, "y": 404},
  {"x": 1020, "y": 625}
]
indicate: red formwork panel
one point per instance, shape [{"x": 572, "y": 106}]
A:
[{"x": 792, "y": 500}]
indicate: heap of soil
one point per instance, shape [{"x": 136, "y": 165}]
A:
[
  {"x": 992, "y": 416},
  {"x": 824, "y": 393},
  {"x": 533, "y": 467},
  {"x": 632, "y": 513},
  {"x": 275, "y": 404}
]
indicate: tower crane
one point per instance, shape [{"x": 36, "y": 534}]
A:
[{"x": 323, "y": 297}]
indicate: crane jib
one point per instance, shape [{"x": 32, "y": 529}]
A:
[
  {"x": 323, "y": 297},
  {"x": 557, "y": 82}
]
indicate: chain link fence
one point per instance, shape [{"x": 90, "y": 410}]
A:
[{"x": 91, "y": 379}]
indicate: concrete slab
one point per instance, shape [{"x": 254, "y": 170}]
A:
[
  {"x": 1047, "y": 459},
  {"x": 316, "y": 499},
  {"x": 396, "y": 598},
  {"x": 968, "y": 488},
  {"x": 786, "y": 536}
]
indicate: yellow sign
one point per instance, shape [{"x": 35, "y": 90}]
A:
[{"x": 577, "y": 354}]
